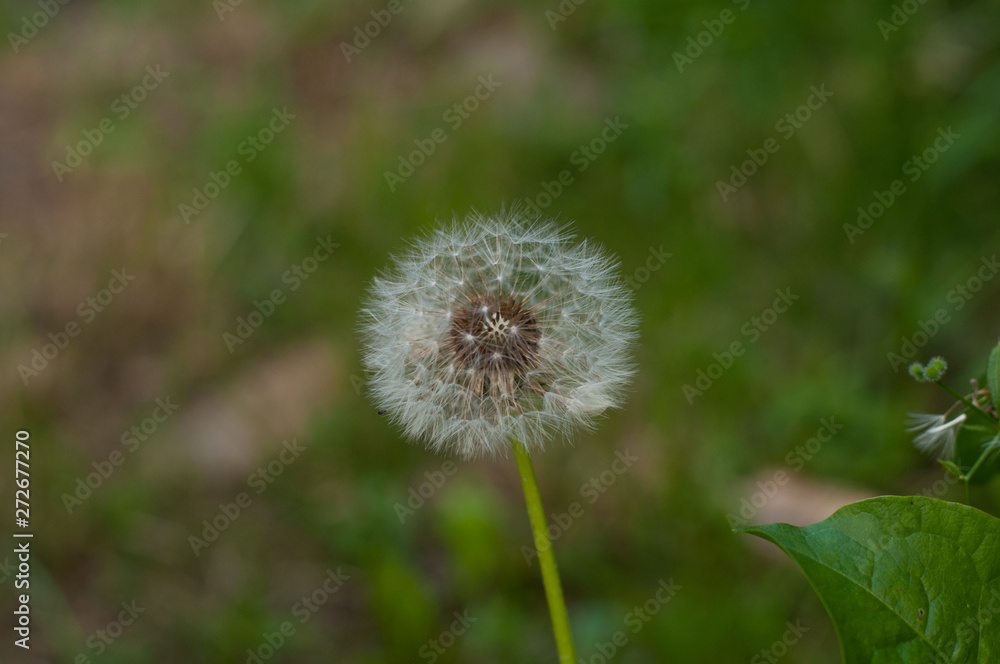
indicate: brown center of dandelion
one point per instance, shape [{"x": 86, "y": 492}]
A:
[{"x": 496, "y": 335}]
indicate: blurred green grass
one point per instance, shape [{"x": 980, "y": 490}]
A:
[{"x": 297, "y": 375}]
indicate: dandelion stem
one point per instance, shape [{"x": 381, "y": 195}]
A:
[{"x": 550, "y": 573}]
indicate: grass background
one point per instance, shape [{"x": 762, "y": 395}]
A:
[{"x": 298, "y": 375}]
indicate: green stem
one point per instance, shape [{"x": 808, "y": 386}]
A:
[
  {"x": 550, "y": 573},
  {"x": 968, "y": 404},
  {"x": 979, "y": 461},
  {"x": 967, "y": 477},
  {"x": 975, "y": 466}
]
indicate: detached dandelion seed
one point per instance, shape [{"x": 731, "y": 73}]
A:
[
  {"x": 497, "y": 328},
  {"x": 937, "y": 435},
  {"x": 498, "y": 332}
]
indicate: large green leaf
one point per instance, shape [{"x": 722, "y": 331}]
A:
[
  {"x": 993, "y": 376},
  {"x": 905, "y": 579}
]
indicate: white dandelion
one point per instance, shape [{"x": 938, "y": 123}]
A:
[
  {"x": 938, "y": 433},
  {"x": 497, "y": 328}
]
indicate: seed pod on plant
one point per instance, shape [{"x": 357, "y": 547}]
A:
[{"x": 498, "y": 327}]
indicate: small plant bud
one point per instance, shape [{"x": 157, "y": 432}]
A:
[
  {"x": 935, "y": 368},
  {"x": 917, "y": 371}
]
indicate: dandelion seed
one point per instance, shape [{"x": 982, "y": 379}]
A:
[
  {"x": 499, "y": 315},
  {"x": 938, "y": 433}
]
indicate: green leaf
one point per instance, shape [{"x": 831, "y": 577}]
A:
[
  {"x": 906, "y": 579},
  {"x": 952, "y": 469},
  {"x": 993, "y": 375}
]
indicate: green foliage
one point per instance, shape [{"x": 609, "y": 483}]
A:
[
  {"x": 905, "y": 579},
  {"x": 968, "y": 434},
  {"x": 653, "y": 189},
  {"x": 993, "y": 376}
]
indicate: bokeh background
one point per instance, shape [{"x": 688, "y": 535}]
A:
[{"x": 334, "y": 508}]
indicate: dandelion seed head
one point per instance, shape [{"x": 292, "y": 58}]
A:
[{"x": 525, "y": 334}]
